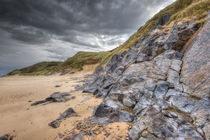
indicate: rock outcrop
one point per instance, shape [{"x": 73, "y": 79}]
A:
[
  {"x": 55, "y": 97},
  {"x": 164, "y": 92},
  {"x": 66, "y": 114},
  {"x": 6, "y": 137}
]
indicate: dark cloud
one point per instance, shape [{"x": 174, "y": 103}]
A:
[
  {"x": 63, "y": 17},
  {"x": 77, "y": 24}
]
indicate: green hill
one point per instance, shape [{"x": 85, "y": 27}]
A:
[{"x": 41, "y": 68}]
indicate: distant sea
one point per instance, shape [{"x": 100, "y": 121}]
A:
[{"x": 3, "y": 72}]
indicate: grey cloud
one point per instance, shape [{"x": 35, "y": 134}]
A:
[{"x": 58, "y": 17}]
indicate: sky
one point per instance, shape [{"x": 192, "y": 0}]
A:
[{"x": 32, "y": 31}]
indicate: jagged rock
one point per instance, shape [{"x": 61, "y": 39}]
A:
[
  {"x": 176, "y": 65},
  {"x": 113, "y": 103},
  {"x": 68, "y": 113},
  {"x": 128, "y": 102},
  {"x": 173, "y": 77},
  {"x": 153, "y": 124},
  {"x": 172, "y": 92},
  {"x": 161, "y": 90},
  {"x": 93, "y": 87},
  {"x": 55, "y": 123},
  {"x": 106, "y": 114},
  {"x": 6, "y": 137},
  {"x": 200, "y": 114},
  {"x": 172, "y": 38},
  {"x": 178, "y": 36},
  {"x": 58, "y": 97},
  {"x": 183, "y": 103},
  {"x": 178, "y": 56},
  {"x": 143, "y": 103},
  {"x": 194, "y": 27},
  {"x": 55, "y": 97},
  {"x": 138, "y": 44},
  {"x": 184, "y": 24},
  {"x": 150, "y": 84}
]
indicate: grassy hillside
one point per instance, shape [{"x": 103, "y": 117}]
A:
[
  {"x": 41, "y": 68},
  {"x": 83, "y": 58},
  {"x": 179, "y": 9}
]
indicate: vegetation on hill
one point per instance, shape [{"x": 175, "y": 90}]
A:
[
  {"x": 83, "y": 58},
  {"x": 41, "y": 68},
  {"x": 179, "y": 10}
]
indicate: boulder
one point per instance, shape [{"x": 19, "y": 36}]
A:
[
  {"x": 55, "y": 97},
  {"x": 105, "y": 114},
  {"x": 155, "y": 124},
  {"x": 6, "y": 137},
  {"x": 67, "y": 114}
]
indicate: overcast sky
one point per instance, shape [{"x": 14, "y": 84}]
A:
[{"x": 53, "y": 30}]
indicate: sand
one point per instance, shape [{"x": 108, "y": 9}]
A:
[{"x": 26, "y": 122}]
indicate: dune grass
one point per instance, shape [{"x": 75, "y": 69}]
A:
[
  {"x": 41, "y": 68},
  {"x": 83, "y": 58}
]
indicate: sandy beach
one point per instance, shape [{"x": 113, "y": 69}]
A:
[{"x": 26, "y": 122}]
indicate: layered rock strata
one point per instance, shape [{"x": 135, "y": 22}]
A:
[{"x": 164, "y": 92}]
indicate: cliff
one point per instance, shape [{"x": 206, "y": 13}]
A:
[{"x": 161, "y": 84}]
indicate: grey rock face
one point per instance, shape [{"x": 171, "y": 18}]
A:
[
  {"x": 156, "y": 83},
  {"x": 196, "y": 64}
]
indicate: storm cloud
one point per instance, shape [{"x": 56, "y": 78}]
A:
[{"x": 57, "y": 29}]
